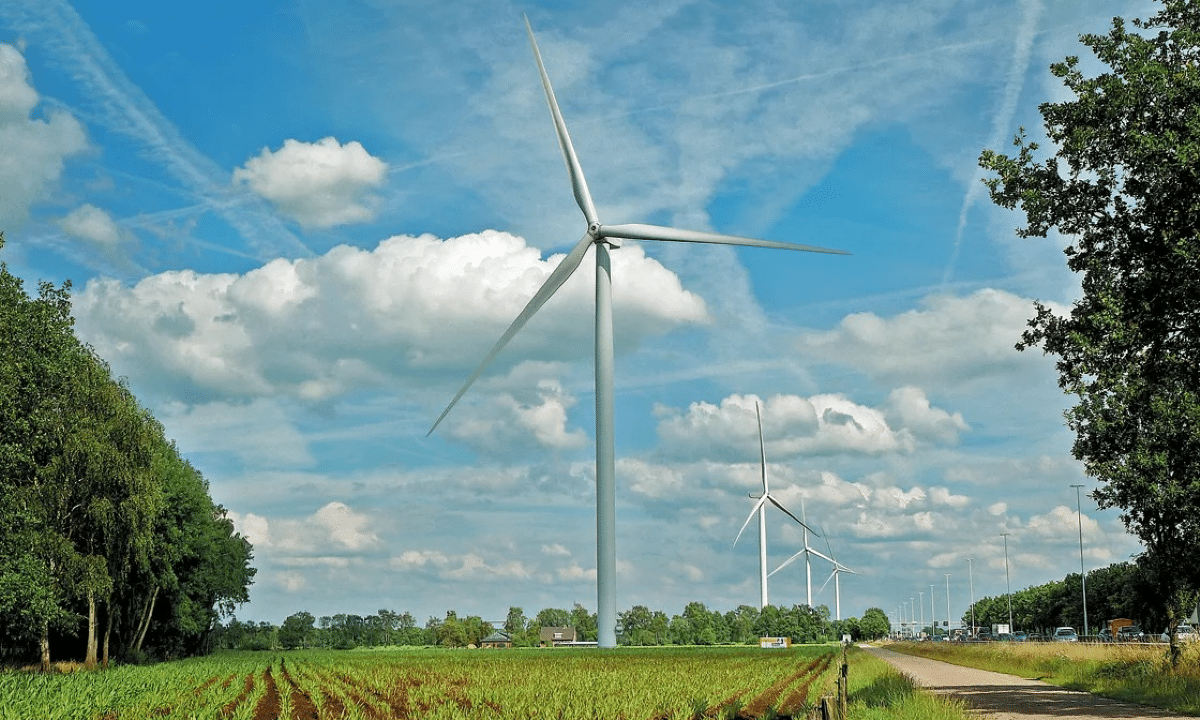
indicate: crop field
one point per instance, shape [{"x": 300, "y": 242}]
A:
[{"x": 633, "y": 684}]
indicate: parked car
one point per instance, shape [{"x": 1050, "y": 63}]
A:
[
  {"x": 1020, "y": 637},
  {"x": 1183, "y": 633},
  {"x": 1065, "y": 634},
  {"x": 1131, "y": 633},
  {"x": 1105, "y": 636}
]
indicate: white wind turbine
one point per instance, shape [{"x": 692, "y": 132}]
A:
[
  {"x": 807, "y": 551},
  {"x": 760, "y": 507},
  {"x": 835, "y": 575},
  {"x": 602, "y": 237}
]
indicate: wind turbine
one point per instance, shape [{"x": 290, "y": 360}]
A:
[
  {"x": 602, "y": 237},
  {"x": 760, "y": 507},
  {"x": 838, "y": 569},
  {"x": 807, "y": 551}
]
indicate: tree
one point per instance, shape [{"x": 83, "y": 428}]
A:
[
  {"x": 1124, "y": 186},
  {"x": 874, "y": 624},
  {"x": 296, "y": 630}
]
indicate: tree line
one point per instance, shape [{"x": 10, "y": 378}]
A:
[
  {"x": 1122, "y": 590},
  {"x": 110, "y": 544},
  {"x": 696, "y": 625}
]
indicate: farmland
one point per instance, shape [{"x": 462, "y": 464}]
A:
[{"x": 637, "y": 684}]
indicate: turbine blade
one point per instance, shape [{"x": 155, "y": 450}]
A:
[
  {"x": 548, "y": 288},
  {"x": 787, "y": 562},
  {"x": 762, "y": 450},
  {"x": 637, "y": 231},
  {"x": 578, "y": 183},
  {"x": 787, "y": 512},
  {"x": 823, "y": 557},
  {"x": 826, "y": 582},
  {"x": 758, "y": 505}
]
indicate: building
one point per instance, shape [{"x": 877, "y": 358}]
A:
[
  {"x": 558, "y": 636},
  {"x": 498, "y": 639}
]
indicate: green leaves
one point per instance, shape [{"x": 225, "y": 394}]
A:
[{"x": 1124, "y": 186}]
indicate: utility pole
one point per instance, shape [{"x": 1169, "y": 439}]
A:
[
  {"x": 1082, "y": 572},
  {"x": 1008, "y": 582}
]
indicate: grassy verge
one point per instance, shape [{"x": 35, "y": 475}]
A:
[
  {"x": 879, "y": 692},
  {"x": 1134, "y": 673}
]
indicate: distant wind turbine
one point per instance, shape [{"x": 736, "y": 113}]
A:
[
  {"x": 602, "y": 237},
  {"x": 807, "y": 551},
  {"x": 760, "y": 507},
  {"x": 835, "y": 575}
]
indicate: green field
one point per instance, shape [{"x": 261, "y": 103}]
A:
[{"x": 630, "y": 683}]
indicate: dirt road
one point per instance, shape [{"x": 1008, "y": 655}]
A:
[{"x": 996, "y": 696}]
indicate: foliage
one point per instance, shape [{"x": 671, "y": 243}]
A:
[
  {"x": 1124, "y": 187},
  {"x": 108, "y": 538}
]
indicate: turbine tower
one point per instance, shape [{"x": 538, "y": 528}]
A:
[
  {"x": 760, "y": 507},
  {"x": 602, "y": 237}
]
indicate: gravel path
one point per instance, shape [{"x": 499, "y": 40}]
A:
[{"x": 997, "y": 696}]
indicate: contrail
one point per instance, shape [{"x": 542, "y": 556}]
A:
[
  {"x": 123, "y": 108},
  {"x": 1002, "y": 120}
]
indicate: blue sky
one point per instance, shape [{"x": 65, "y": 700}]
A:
[{"x": 296, "y": 226}]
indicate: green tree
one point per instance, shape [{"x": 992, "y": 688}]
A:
[
  {"x": 874, "y": 624},
  {"x": 296, "y": 630},
  {"x": 1124, "y": 187}
]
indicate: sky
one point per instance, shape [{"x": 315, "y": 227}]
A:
[{"x": 297, "y": 226}]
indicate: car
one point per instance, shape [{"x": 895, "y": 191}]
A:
[
  {"x": 1105, "y": 636},
  {"x": 1183, "y": 633},
  {"x": 1131, "y": 633},
  {"x": 1005, "y": 637},
  {"x": 1065, "y": 634},
  {"x": 1020, "y": 637}
]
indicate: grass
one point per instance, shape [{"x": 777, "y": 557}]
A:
[
  {"x": 1138, "y": 673},
  {"x": 879, "y": 692}
]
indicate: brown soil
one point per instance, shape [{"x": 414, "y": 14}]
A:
[
  {"x": 268, "y": 706},
  {"x": 247, "y": 688},
  {"x": 303, "y": 707}
]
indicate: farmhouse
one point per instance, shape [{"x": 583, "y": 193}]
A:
[
  {"x": 557, "y": 636},
  {"x": 498, "y": 639}
]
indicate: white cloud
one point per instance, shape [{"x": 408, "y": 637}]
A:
[
  {"x": 92, "y": 225},
  {"x": 503, "y": 424},
  {"x": 334, "y": 528},
  {"x": 951, "y": 341},
  {"x": 260, "y": 433},
  {"x": 319, "y": 184},
  {"x": 792, "y": 425},
  {"x": 34, "y": 149},
  {"x": 316, "y": 329},
  {"x": 468, "y": 566}
]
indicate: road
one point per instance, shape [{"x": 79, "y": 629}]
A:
[{"x": 997, "y": 696}]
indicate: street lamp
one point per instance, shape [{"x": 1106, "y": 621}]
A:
[
  {"x": 912, "y": 615},
  {"x": 947, "y": 603},
  {"x": 971, "y": 580},
  {"x": 1008, "y": 582},
  {"x": 932, "y": 612},
  {"x": 922, "y": 596},
  {"x": 1082, "y": 572}
]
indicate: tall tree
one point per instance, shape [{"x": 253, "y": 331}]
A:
[{"x": 1124, "y": 188}]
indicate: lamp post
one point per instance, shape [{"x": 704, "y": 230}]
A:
[
  {"x": 912, "y": 615},
  {"x": 1008, "y": 582},
  {"x": 971, "y": 580},
  {"x": 922, "y": 596},
  {"x": 947, "y": 603},
  {"x": 932, "y": 612},
  {"x": 1082, "y": 572}
]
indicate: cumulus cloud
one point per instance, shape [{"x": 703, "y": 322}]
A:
[
  {"x": 503, "y": 423},
  {"x": 792, "y": 425},
  {"x": 319, "y": 184},
  {"x": 468, "y": 566},
  {"x": 334, "y": 529},
  {"x": 315, "y": 329},
  {"x": 95, "y": 227},
  {"x": 34, "y": 149},
  {"x": 950, "y": 341}
]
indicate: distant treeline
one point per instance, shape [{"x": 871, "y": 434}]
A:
[
  {"x": 696, "y": 625},
  {"x": 1123, "y": 590},
  {"x": 109, "y": 542}
]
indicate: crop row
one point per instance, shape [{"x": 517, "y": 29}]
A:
[{"x": 635, "y": 684}]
